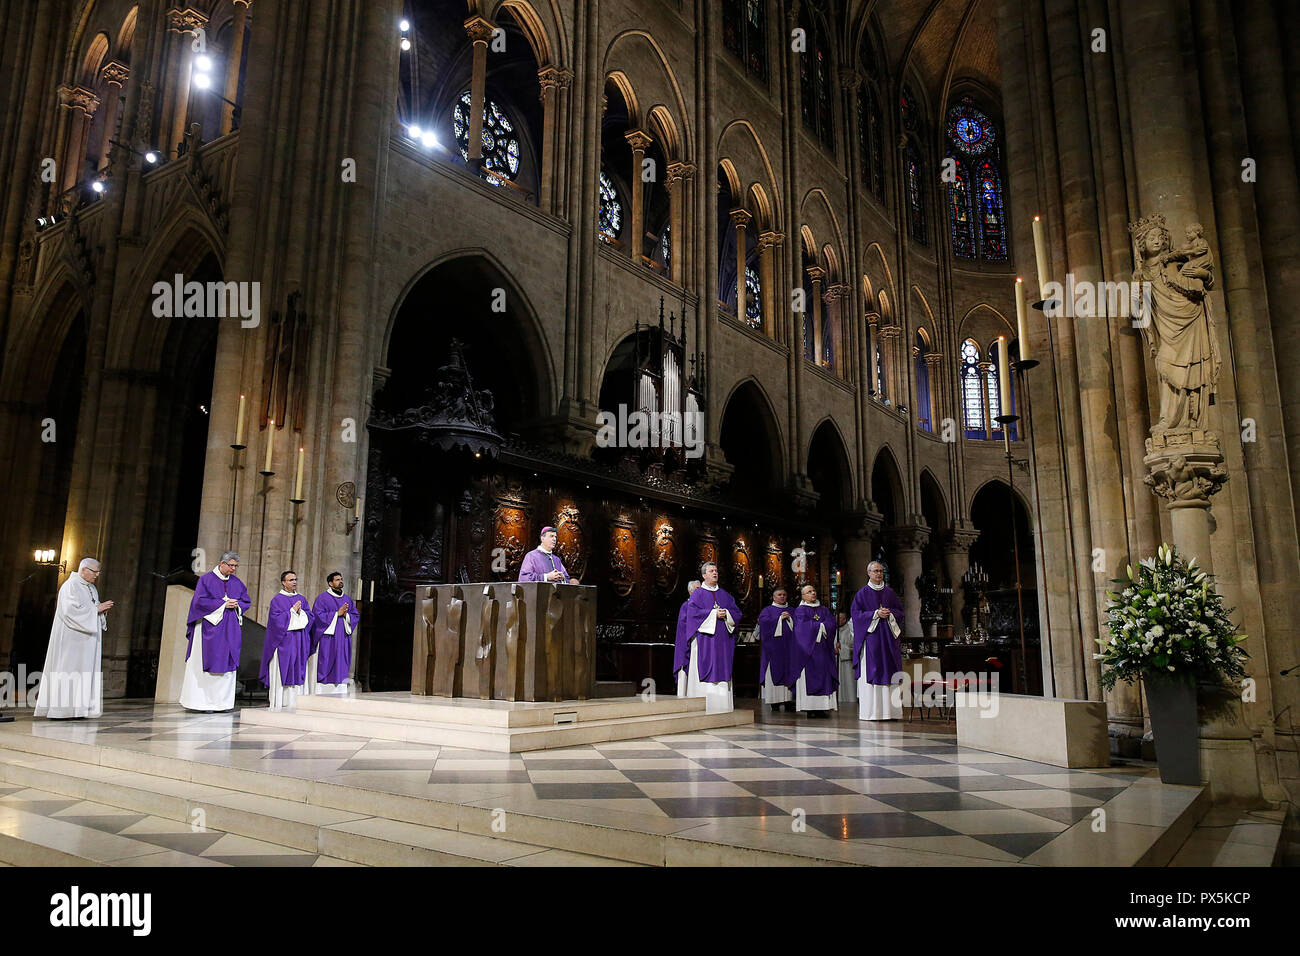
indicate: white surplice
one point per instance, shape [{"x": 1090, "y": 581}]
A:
[
  {"x": 777, "y": 693},
  {"x": 72, "y": 681},
  {"x": 314, "y": 686},
  {"x": 717, "y": 694},
  {"x": 848, "y": 692},
  {"x": 199, "y": 689},
  {"x": 280, "y": 695},
  {"x": 879, "y": 701},
  {"x": 802, "y": 699}
]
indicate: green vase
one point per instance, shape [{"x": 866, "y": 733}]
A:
[{"x": 1175, "y": 727}]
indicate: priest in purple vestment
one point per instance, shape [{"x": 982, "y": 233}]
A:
[
  {"x": 335, "y": 618},
  {"x": 706, "y": 643},
  {"x": 877, "y": 658},
  {"x": 543, "y": 564},
  {"x": 287, "y": 624},
  {"x": 216, "y": 617},
  {"x": 814, "y": 658},
  {"x": 776, "y": 636}
]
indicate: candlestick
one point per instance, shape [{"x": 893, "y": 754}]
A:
[
  {"x": 297, "y": 487},
  {"x": 358, "y": 508},
  {"x": 1040, "y": 254},
  {"x": 760, "y": 582},
  {"x": 270, "y": 442},
  {"x": 372, "y": 589},
  {"x": 1004, "y": 376},
  {"x": 239, "y": 427},
  {"x": 1022, "y": 318},
  {"x": 358, "y": 586}
]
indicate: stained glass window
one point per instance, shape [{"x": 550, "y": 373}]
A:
[
  {"x": 988, "y": 189},
  {"x": 870, "y": 136},
  {"x": 915, "y": 197},
  {"x": 959, "y": 212},
  {"x": 611, "y": 210},
  {"x": 907, "y": 109},
  {"x": 744, "y": 33},
  {"x": 666, "y": 249},
  {"x": 882, "y": 383},
  {"x": 972, "y": 393},
  {"x": 972, "y": 134},
  {"x": 816, "y": 105},
  {"x": 753, "y": 300},
  {"x": 922, "y": 386},
  {"x": 828, "y": 338},
  {"x": 500, "y": 143},
  {"x": 994, "y": 397}
]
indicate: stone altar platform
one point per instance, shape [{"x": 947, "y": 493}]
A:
[
  {"x": 1051, "y": 730},
  {"x": 496, "y": 725}
]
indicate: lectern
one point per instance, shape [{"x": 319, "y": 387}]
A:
[{"x": 505, "y": 640}]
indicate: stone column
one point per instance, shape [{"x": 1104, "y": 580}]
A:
[
  {"x": 552, "y": 81},
  {"x": 956, "y": 555},
  {"x": 818, "y": 275},
  {"x": 834, "y": 301},
  {"x": 740, "y": 219},
  {"x": 767, "y": 242},
  {"x": 908, "y": 541},
  {"x": 888, "y": 334},
  {"x": 234, "y": 56},
  {"x": 480, "y": 31},
  {"x": 114, "y": 75},
  {"x": 679, "y": 175},
  {"x": 638, "y": 140},
  {"x": 82, "y": 104},
  {"x": 862, "y": 527},
  {"x": 934, "y": 369},
  {"x": 873, "y": 330},
  {"x": 185, "y": 22}
]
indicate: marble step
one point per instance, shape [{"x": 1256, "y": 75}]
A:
[
  {"x": 497, "y": 713},
  {"x": 492, "y": 738},
  {"x": 349, "y": 836}
]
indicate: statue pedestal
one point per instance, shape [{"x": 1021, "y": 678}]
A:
[{"x": 1186, "y": 469}]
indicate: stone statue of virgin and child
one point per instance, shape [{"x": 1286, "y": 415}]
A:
[{"x": 1169, "y": 293}]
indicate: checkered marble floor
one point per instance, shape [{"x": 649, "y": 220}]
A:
[
  {"x": 888, "y": 784},
  {"x": 123, "y": 838}
]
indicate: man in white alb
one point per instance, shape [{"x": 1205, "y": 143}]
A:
[{"x": 72, "y": 681}]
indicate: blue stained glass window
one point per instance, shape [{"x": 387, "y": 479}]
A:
[
  {"x": 870, "y": 145},
  {"x": 959, "y": 213},
  {"x": 744, "y": 33},
  {"x": 500, "y": 143},
  {"x": 611, "y": 210},
  {"x": 753, "y": 300},
  {"x": 815, "y": 102},
  {"x": 972, "y": 393},
  {"x": 988, "y": 186},
  {"x": 915, "y": 197}
]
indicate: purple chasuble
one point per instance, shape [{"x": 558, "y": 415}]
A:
[
  {"x": 816, "y": 660},
  {"x": 222, "y": 641},
  {"x": 716, "y": 650},
  {"x": 284, "y": 641},
  {"x": 334, "y": 662},
  {"x": 775, "y": 651},
  {"x": 876, "y": 654},
  {"x": 538, "y": 564}
]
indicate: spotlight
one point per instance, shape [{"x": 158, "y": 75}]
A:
[
  {"x": 98, "y": 186},
  {"x": 404, "y": 25},
  {"x": 151, "y": 157},
  {"x": 204, "y": 63},
  {"x": 42, "y": 222},
  {"x": 415, "y": 131},
  {"x": 202, "y": 81},
  {"x": 406, "y": 44},
  {"x": 428, "y": 139}
]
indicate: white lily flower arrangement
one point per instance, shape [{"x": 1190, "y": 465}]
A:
[{"x": 1168, "y": 621}]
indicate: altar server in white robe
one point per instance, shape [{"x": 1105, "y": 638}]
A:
[
  {"x": 72, "y": 681},
  {"x": 848, "y": 692}
]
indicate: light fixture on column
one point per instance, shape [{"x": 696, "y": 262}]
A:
[
  {"x": 405, "y": 26},
  {"x": 98, "y": 186},
  {"x": 48, "y": 558},
  {"x": 202, "y": 79}
]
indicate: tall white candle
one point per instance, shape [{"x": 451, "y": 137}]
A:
[
  {"x": 358, "y": 587},
  {"x": 372, "y": 589},
  {"x": 297, "y": 487},
  {"x": 270, "y": 441},
  {"x": 239, "y": 427},
  {"x": 358, "y": 507},
  {"x": 1004, "y": 376},
  {"x": 1040, "y": 254},
  {"x": 1022, "y": 319}
]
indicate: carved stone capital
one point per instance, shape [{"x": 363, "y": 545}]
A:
[
  {"x": 817, "y": 274},
  {"x": 1185, "y": 474},
  {"x": 770, "y": 240},
  {"x": 911, "y": 537},
  {"x": 836, "y": 291},
  {"x": 849, "y": 79},
  {"x": 932, "y": 359},
  {"x": 79, "y": 98},
  {"x": 115, "y": 72},
  {"x": 638, "y": 139},
  {"x": 741, "y": 218},
  {"x": 553, "y": 78},
  {"x": 479, "y": 29},
  {"x": 680, "y": 171},
  {"x": 863, "y": 524},
  {"x": 960, "y": 542},
  {"x": 186, "y": 20},
  {"x": 890, "y": 331}
]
